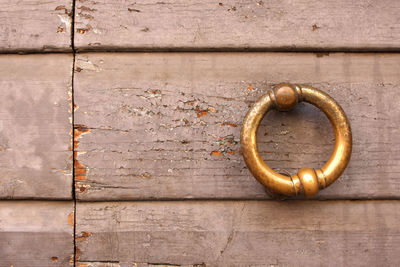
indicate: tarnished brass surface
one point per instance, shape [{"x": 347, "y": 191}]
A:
[{"x": 307, "y": 181}]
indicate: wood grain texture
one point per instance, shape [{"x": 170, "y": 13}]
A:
[
  {"x": 167, "y": 125},
  {"x": 240, "y": 233},
  {"x": 35, "y": 25},
  {"x": 275, "y": 25},
  {"x": 36, "y": 233},
  {"x": 132, "y": 264},
  {"x": 35, "y": 126}
]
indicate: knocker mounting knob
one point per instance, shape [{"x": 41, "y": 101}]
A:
[
  {"x": 285, "y": 97},
  {"x": 307, "y": 181}
]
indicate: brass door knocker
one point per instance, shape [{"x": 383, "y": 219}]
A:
[{"x": 307, "y": 181}]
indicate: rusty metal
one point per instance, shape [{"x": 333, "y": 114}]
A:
[{"x": 307, "y": 181}]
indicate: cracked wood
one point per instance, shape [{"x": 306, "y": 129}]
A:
[
  {"x": 213, "y": 25},
  {"x": 240, "y": 233},
  {"x": 35, "y": 127},
  {"x": 36, "y": 233},
  {"x": 167, "y": 125},
  {"x": 35, "y": 25}
]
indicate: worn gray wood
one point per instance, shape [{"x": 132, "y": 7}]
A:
[
  {"x": 167, "y": 125},
  {"x": 240, "y": 233},
  {"x": 35, "y": 25},
  {"x": 36, "y": 233},
  {"x": 283, "y": 25},
  {"x": 133, "y": 264},
  {"x": 35, "y": 126}
]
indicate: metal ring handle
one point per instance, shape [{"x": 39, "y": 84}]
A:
[{"x": 307, "y": 181}]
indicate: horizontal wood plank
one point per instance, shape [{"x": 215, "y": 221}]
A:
[
  {"x": 132, "y": 264},
  {"x": 275, "y": 25},
  {"x": 240, "y": 233},
  {"x": 167, "y": 125},
  {"x": 36, "y": 233},
  {"x": 35, "y": 25},
  {"x": 35, "y": 126}
]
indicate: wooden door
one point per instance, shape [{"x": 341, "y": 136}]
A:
[{"x": 120, "y": 133}]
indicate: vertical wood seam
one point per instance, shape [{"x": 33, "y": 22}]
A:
[{"x": 73, "y": 127}]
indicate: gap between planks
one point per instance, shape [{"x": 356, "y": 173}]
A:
[{"x": 211, "y": 50}]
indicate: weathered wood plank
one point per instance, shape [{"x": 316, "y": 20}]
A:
[
  {"x": 167, "y": 125},
  {"x": 35, "y": 25},
  {"x": 35, "y": 126},
  {"x": 284, "y": 25},
  {"x": 132, "y": 264},
  {"x": 36, "y": 233},
  {"x": 240, "y": 233}
]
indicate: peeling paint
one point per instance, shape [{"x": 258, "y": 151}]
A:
[
  {"x": 315, "y": 27},
  {"x": 80, "y": 169},
  {"x": 211, "y": 109},
  {"x": 86, "y": 16},
  {"x": 71, "y": 219},
  {"x": 231, "y": 124},
  {"x": 82, "y": 187},
  {"x": 140, "y": 111},
  {"x": 60, "y": 8},
  {"x": 201, "y": 113},
  {"x": 79, "y": 130},
  {"x": 66, "y": 20},
  {"x": 145, "y": 175},
  {"x": 81, "y": 30},
  {"x": 87, "y": 9},
  {"x": 216, "y": 153},
  {"x": 87, "y": 64},
  {"x": 84, "y": 236},
  {"x": 77, "y": 253}
]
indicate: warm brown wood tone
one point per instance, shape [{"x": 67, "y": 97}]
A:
[
  {"x": 281, "y": 25},
  {"x": 240, "y": 233},
  {"x": 167, "y": 125},
  {"x": 36, "y": 233},
  {"x": 35, "y": 126},
  {"x": 35, "y": 25}
]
